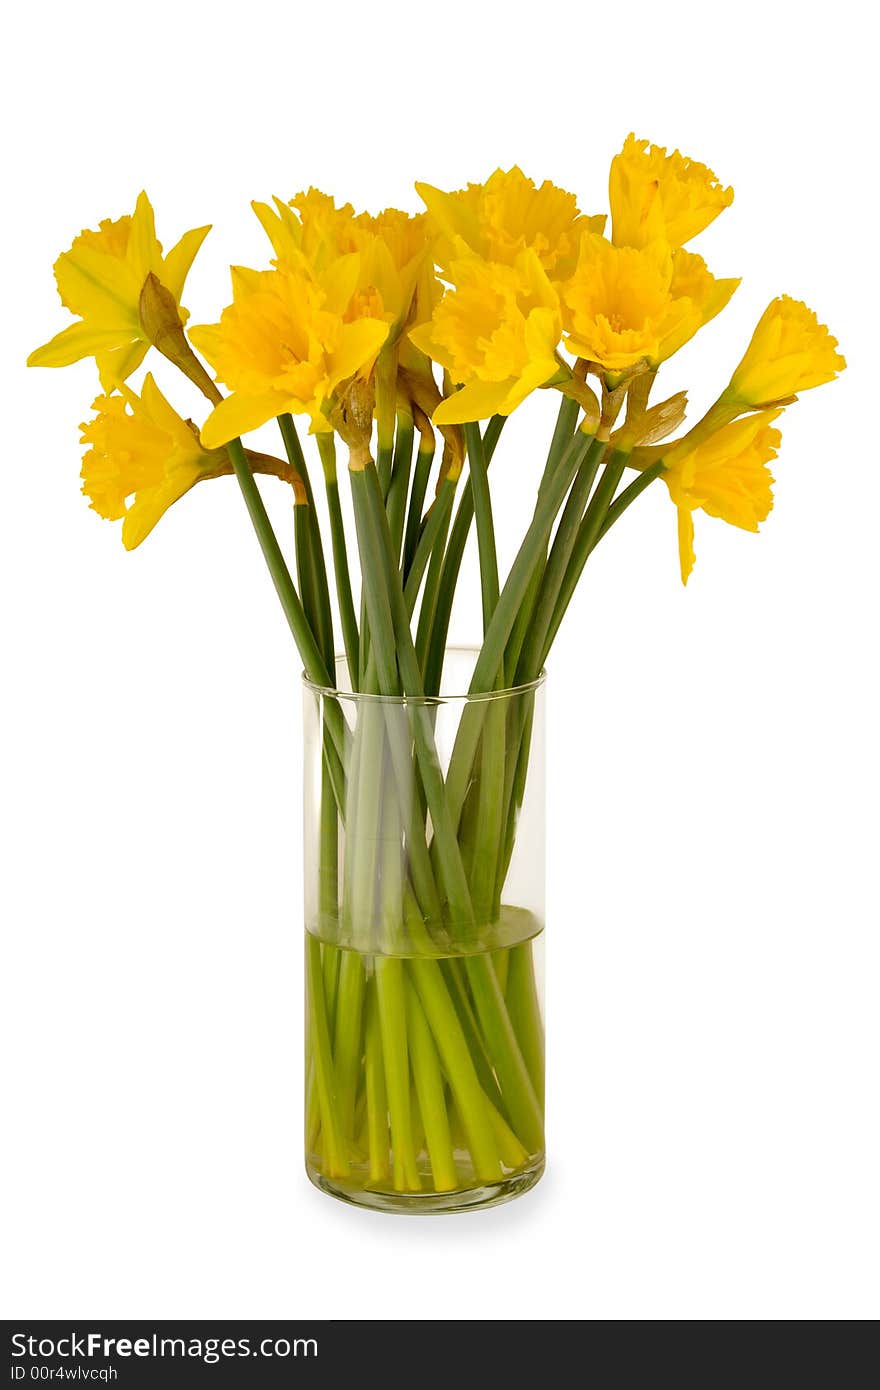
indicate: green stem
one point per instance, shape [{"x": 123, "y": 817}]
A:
[
  {"x": 309, "y": 650},
  {"x": 396, "y": 733},
  {"x": 513, "y": 1155},
  {"x": 405, "y": 774},
  {"x": 629, "y": 495},
  {"x": 430, "y": 1091},
  {"x": 554, "y": 572},
  {"x": 376, "y": 597},
  {"x": 328, "y": 865},
  {"x": 376, "y": 1090},
  {"x": 313, "y": 660},
  {"x": 587, "y": 536},
  {"x": 384, "y": 462},
  {"x": 521, "y": 1103},
  {"x": 330, "y": 962},
  {"x": 421, "y": 476},
  {"x": 459, "y": 1068},
  {"x": 348, "y": 1040},
  {"x": 322, "y": 623},
  {"x": 516, "y": 773},
  {"x": 522, "y": 625},
  {"x": 392, "y": 1017},
  {"x": 492, "y": 434},
  {"x": 347, "y": 615},
  {"x": 389, "y": 622},
  {"x": 361, "y": 874},
  {"x": 421, "y": 722},
  {"x": 392, "y": 932},
  {"x": 491, "y": 655},
  {"x": 439, "y": 630},
  {"x": 365, "y": 643},
  {"x": 429, "y": 550},
  {"x": 490, "y": 812},
  {"x": 334, "y": 1147},
  {"x": 400, "y": 473},
  {"x": 328, "y": 924},
  {"x": 479, "y": 478},
  {"x": 566, "y": 422},
  {"x": 456, "y": 983},
  {"x": 525, "y": 1013},
  {"x": 501, "y": 962},
  {"x": 428, "y": 618},
  {"x": 302, "y": 533}
]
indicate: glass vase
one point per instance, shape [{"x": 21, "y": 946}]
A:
[{"x": 424, "y": 917}]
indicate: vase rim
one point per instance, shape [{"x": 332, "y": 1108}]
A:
[{"x": 339, "y": 692}]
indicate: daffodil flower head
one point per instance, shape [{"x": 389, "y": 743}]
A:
[
  {"x": 310, "y": 233},
  {"x": 100, "y": 279},
  {"x": 725, "y": 475},
  {"x": 286, "y": 344},
  {"x": 657, "y": 196},
  {"x": 496, "y": 333},
  {"x": 506, "y": 215},
  {"x": 790, "y": 351},
  {"x": 397, "y": 261},
  {"x": 626, "y": 305},
  {"x": 142, "y": 457}
]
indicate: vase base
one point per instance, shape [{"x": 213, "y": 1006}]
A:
[{"x": 429, "y": 1203}]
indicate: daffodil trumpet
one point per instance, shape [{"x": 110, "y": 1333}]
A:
[{"x": 402, "y": 343}]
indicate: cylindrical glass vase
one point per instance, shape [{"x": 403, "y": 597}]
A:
[{"x": 424, "y": 916}]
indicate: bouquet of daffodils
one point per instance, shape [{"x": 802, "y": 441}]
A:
[{"x": 409, "y": 340}]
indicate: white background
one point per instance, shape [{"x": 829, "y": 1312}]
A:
[{"x": 712, "y": 935}]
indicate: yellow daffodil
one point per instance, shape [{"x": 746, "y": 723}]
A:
[
  {"x": 726, "y": 476},
  {"x": 506, "y": 215},
  {"x": 626, "y": 305},
  {"x": 100, "y": 279},
  {"x": 142, "y": 458},
  {"x": 790, "y": 351},
  {"x": 496, "y": 332},
  {"x": 657, "y": 196},
  {"x": 286, "y": 343},
  {"x": 396, "y": 257},
  {"x": 309, "y": 231},
  {"x": 396, "y": 269}
]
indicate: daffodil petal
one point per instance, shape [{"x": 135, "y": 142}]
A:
[
  {"x": 245, "y": 280},
  {"x": 281, "y": 227},
  {"x": 658, "y": 195},
  {"x": 238, "y": 414},
  {"x": 358, "y": 345},
  {"x": 451, "y": 215},
  {"x": 207, "y": 337},
  {"x": 78, "y": 341},
  {"x": 535, "y": 374},
  {"x": 149, "y": 508},
  {"x": 163, "y": 414},
  {"x": 339, "y": 282},
  {"x": 143, "y": 456},
  {"x": 790, "y": 351},
  {"x": 269, "y": 221},
  {"x": 686, "y": 554},
  {"x": 116, "y": 366},
  {"x": 178, "y": 262},
  {"x": 477, "y": 401},
  {"x": 98, "y": 287},
  {"x": 423, "y": 338},
  {"x": 143, "y": 248}
]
